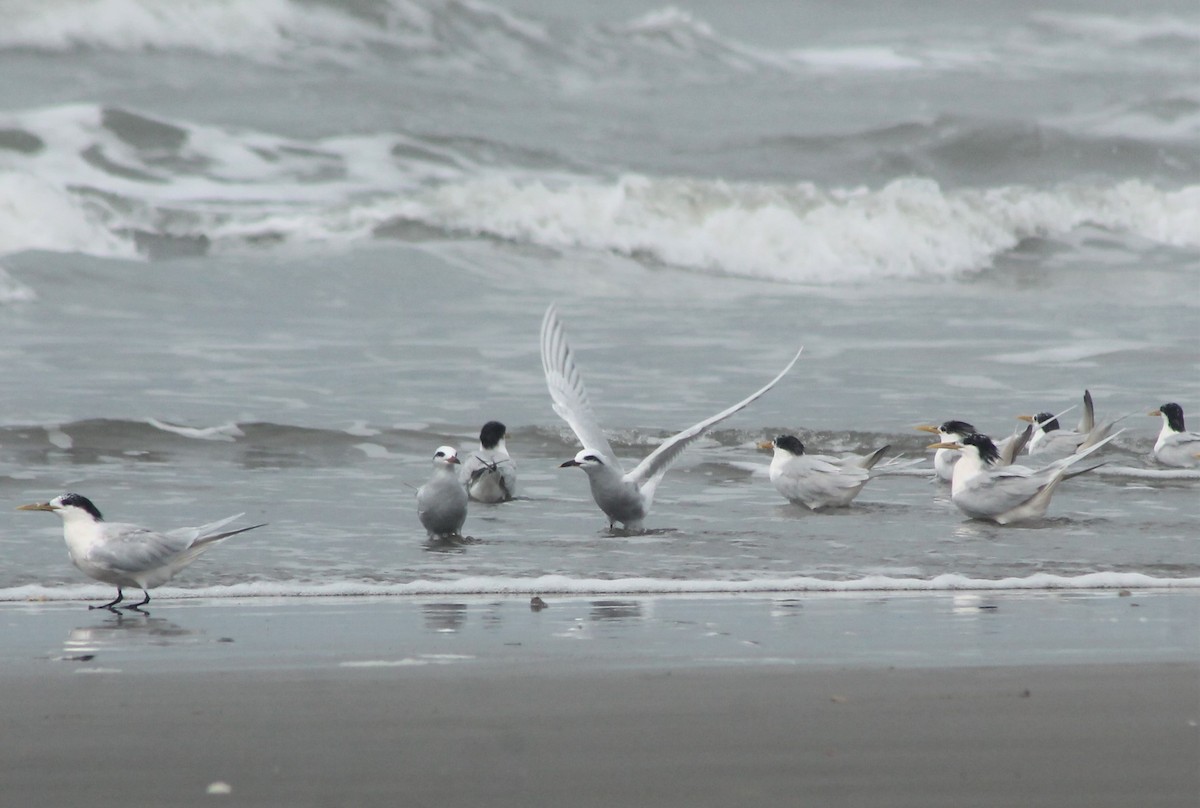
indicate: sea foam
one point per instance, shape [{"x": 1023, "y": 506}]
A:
[
  {"x": 909, "y": 228},
  {"x": 38, "y": 215},
  {"x": 477, "y": 36},
  {"x": 1113, "y": 30},
  {"x": 561, "y": 584},
  {"x": 262, "y": 30},
  {"x": 13, "y": 291},
  {"x": 102, "y": 174},
  {"x": 276, "y": 31}
]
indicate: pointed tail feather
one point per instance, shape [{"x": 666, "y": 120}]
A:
[
  {"x": 874, "y": 457},
  {"x": 1015, "y": 445},
  {"x": 1070, "y": 460},
  {"x": 207, "y": 540},
  {"x": 1071, "y": 474},
  {"x": 204, "y": 543},
  {"x": 1098, "y": 434},
  {"x": 896, "y": 464}
]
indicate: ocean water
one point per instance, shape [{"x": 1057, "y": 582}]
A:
[{"x": 265, "y": 257}]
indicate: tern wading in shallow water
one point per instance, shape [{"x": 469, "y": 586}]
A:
[
  {"x": 127, "y": 555},
  {"x": 1175, "y": 446},
  {"x": 624, "y": 497},
  {"x": 954, "y": 431},
  {"x": 489, "y": 474},
  {"x": 442, "y": 502},
  {"x": 818, "y": 481},
  {"x": 1052, "y": 442},
  {"x": 982, "y": 489}
]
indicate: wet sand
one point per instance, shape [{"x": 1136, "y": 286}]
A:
[{"x": 602, "y": 703}]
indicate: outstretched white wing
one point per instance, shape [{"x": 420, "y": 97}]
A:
[
  {"x": 650, "y": 471},
  {"x": 567, "y": 392}
]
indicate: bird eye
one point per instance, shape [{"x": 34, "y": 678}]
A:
[{"x": 592, "y": 458}]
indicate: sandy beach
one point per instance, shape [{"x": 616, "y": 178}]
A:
[{"x": 950, "y": 700}]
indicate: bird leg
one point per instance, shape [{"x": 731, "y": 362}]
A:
[
  {"x": 137, "y": 606},
  {"x": 120, "y": 596}
]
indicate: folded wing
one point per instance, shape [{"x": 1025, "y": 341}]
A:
[{"x": 129, "y": 549}]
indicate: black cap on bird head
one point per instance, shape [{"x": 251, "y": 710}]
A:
[
  {"x": 958, "y": 428},
  {"x": 1174, "y": 415},
  {"x": 789, "y": 443},
  {"x": 988, "y": 452},
  {"x": 492, "y": 433},
  {"x": 1046, "y": 421},
  {"x": 81, "y": 502}
]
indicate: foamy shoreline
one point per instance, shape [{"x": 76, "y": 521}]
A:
[{"x": 567, "y": 585}]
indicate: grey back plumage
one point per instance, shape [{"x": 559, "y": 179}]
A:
[{"x": 442, "y": 502}]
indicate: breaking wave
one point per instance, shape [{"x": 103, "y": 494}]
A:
[
  {"x": 471, "y": 35},
  {"x": 910, "y": 228},
  {"x": 115, "y": 183}
]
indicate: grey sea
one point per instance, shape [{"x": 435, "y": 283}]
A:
[{"x": 266, "y": 258}]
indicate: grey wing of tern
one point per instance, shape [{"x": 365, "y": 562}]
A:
[
  {"x": 131, "y": 549},
  {"x": 568, "y": 396},
  {"x": 650, "y": 471}
]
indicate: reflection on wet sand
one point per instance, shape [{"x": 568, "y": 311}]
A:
[
  {"x": 444, "y": 616},
  {"x": 124, "y": 631},
  {"x": 616, "y": 610}
]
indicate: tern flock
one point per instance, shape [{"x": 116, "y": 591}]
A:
[{"x": 986, "y": 482}]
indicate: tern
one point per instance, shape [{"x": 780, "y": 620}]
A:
[
  {"x": 442, "y": 502},
  {"x": 1052, "y": 442},
  {"x": 489, "y": 474},
  {"x": 127, "y": 555},
  {"x": 624, "y": 497},
  {"x": 954, "y": 431},
  {"x": 818, "y": 481},
  {"x": 982, "y": 489},
  {"x": 1175, "y": 446}
]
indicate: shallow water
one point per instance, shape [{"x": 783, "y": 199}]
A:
[{"x": 325, "y": 253}]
